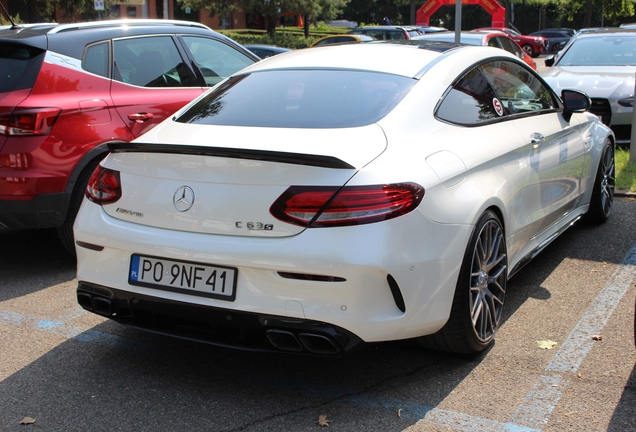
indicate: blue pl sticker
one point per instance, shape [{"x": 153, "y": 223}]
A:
[{"x": 134, "y": 268}]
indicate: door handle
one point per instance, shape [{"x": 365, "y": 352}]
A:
[
  {"x": 140, "y": 117},
  {"x": 536, "y": 139}
]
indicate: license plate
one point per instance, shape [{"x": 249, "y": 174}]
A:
[{"x": 183, "y": 277}]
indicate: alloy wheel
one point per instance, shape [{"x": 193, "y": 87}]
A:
[
  {"x": 488, "y": 280},
  {"x": 607, "y": 180}
]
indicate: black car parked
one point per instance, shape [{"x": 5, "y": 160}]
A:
[{"x": 556, "y": 38}]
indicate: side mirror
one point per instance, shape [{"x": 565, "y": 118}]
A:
[
  {"x": 574, "y": 101},
  {"x": 549, "y": 60}
]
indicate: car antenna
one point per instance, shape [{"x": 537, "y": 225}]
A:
[{"x": 13, "y": 24}]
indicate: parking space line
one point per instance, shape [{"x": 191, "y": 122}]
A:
[
  {"x": 435, "y": 416},
  {"x": 537, "y": 407},
  {"x": 579, "y": 342}
]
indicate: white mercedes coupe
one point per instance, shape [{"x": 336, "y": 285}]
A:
[{"x": 330, "y": 197}]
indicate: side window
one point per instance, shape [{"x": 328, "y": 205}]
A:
[
  {"x": 149, "y": 62},
  {"x": 510, "y": 46},
  {"x": 492, "y": 42},
  {"x": 96, "y": 59},
  {"x": 517, "y": 88},
  {"x": 471, "y": 101},
  {"x": 215, "y": 59}
]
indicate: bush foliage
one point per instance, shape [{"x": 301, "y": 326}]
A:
[{"x": 288, "y": 37}]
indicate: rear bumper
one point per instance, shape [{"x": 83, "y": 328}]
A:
[
  {"x": 217, "y": 326},
  {"x": 396, "y": 279},
  {"x": 43, "y": 211}
]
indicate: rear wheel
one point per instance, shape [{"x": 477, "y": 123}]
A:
[
  {"x": 528, "y": 49},
  {"x": 602, "y": 199},
  {"x": 65, "y": 231},
  {"x": 480, "y": 292}
]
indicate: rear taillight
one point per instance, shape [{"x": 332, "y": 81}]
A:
[
  {"x": 37, "y": 121},
  {"x": 316, "y": 206},
  {"x": 104, "y": 186}
]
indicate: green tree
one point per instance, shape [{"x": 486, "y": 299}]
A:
[
  {"x": 315, "y": 10},
  {"x": 44, "y": 10},
  {"x": 374, "y": 11},
  {"x": 268, "y": 9}
]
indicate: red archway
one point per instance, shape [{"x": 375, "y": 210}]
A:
[{"x": 497, "y": 11}]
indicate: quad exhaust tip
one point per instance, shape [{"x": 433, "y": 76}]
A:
[
  {"x": 311, "y": 342},
  {"x": 99, "y": 305}
]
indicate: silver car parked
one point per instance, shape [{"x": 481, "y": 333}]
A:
[{"x": 602, "y": 64}]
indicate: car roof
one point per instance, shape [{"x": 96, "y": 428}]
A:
[
  {"x": 71, "y": 39},
  {"x": 385, "y": 27},
  {"x": 360, "y": 37},
  {"x": 265, "y": 46},
  {"x": 409, "y": 58},
  {"x": 473, "y": 36}
]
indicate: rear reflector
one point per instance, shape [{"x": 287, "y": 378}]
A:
[
  {"x": 311, "y": 277},
  {"x": 104, "y": 186},
  {"x": 37, "y": 121},
  {"x": 330, "y": 206}
]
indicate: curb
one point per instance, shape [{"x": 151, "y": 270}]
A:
[{"x": 624, "y": 194}]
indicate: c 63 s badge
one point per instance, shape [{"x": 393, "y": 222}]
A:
[{"x": 257, "y": 226}]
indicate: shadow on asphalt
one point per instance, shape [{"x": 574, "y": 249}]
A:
[
  {"x": 32, "y": 260},
  {"x": 112, "y": 377},
  {"x": 625, "y": 414}
]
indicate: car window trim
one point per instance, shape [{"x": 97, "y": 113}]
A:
[
  {"x": 111, "y": 60},
  {"x": 507, "y": 117}
]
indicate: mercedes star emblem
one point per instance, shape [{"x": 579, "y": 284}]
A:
[{"x": 183, "y": 198}]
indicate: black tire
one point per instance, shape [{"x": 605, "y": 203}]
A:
[
  {"x": 528, "y": 49},
  {"x": 65, "y": 231},
  {"x": 602, "y": 199},
  {"x": 480, "y": 292}
]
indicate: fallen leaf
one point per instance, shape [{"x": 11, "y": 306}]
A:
[
  {"x": 597, "y": 337},
  {"x": 27, "y": 421},
  {"x": 547, "y": 344},
  {"x": 322, "y": 420}
]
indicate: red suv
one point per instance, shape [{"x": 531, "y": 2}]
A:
[
  {"x": 532, "y": 45},
  {"x": 67, "y": 91}
]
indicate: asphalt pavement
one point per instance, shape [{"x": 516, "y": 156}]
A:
[{"x": 563, "y": 360}]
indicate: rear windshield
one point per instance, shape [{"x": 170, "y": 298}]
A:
[
  {"x": 19, "y": 66},
  {"x": 300, "y": 99}
]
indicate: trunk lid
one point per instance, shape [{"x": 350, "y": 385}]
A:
[{"x": 225, "y": 179}]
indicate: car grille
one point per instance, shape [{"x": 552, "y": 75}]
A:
[{"x": 602, "y": 109}]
